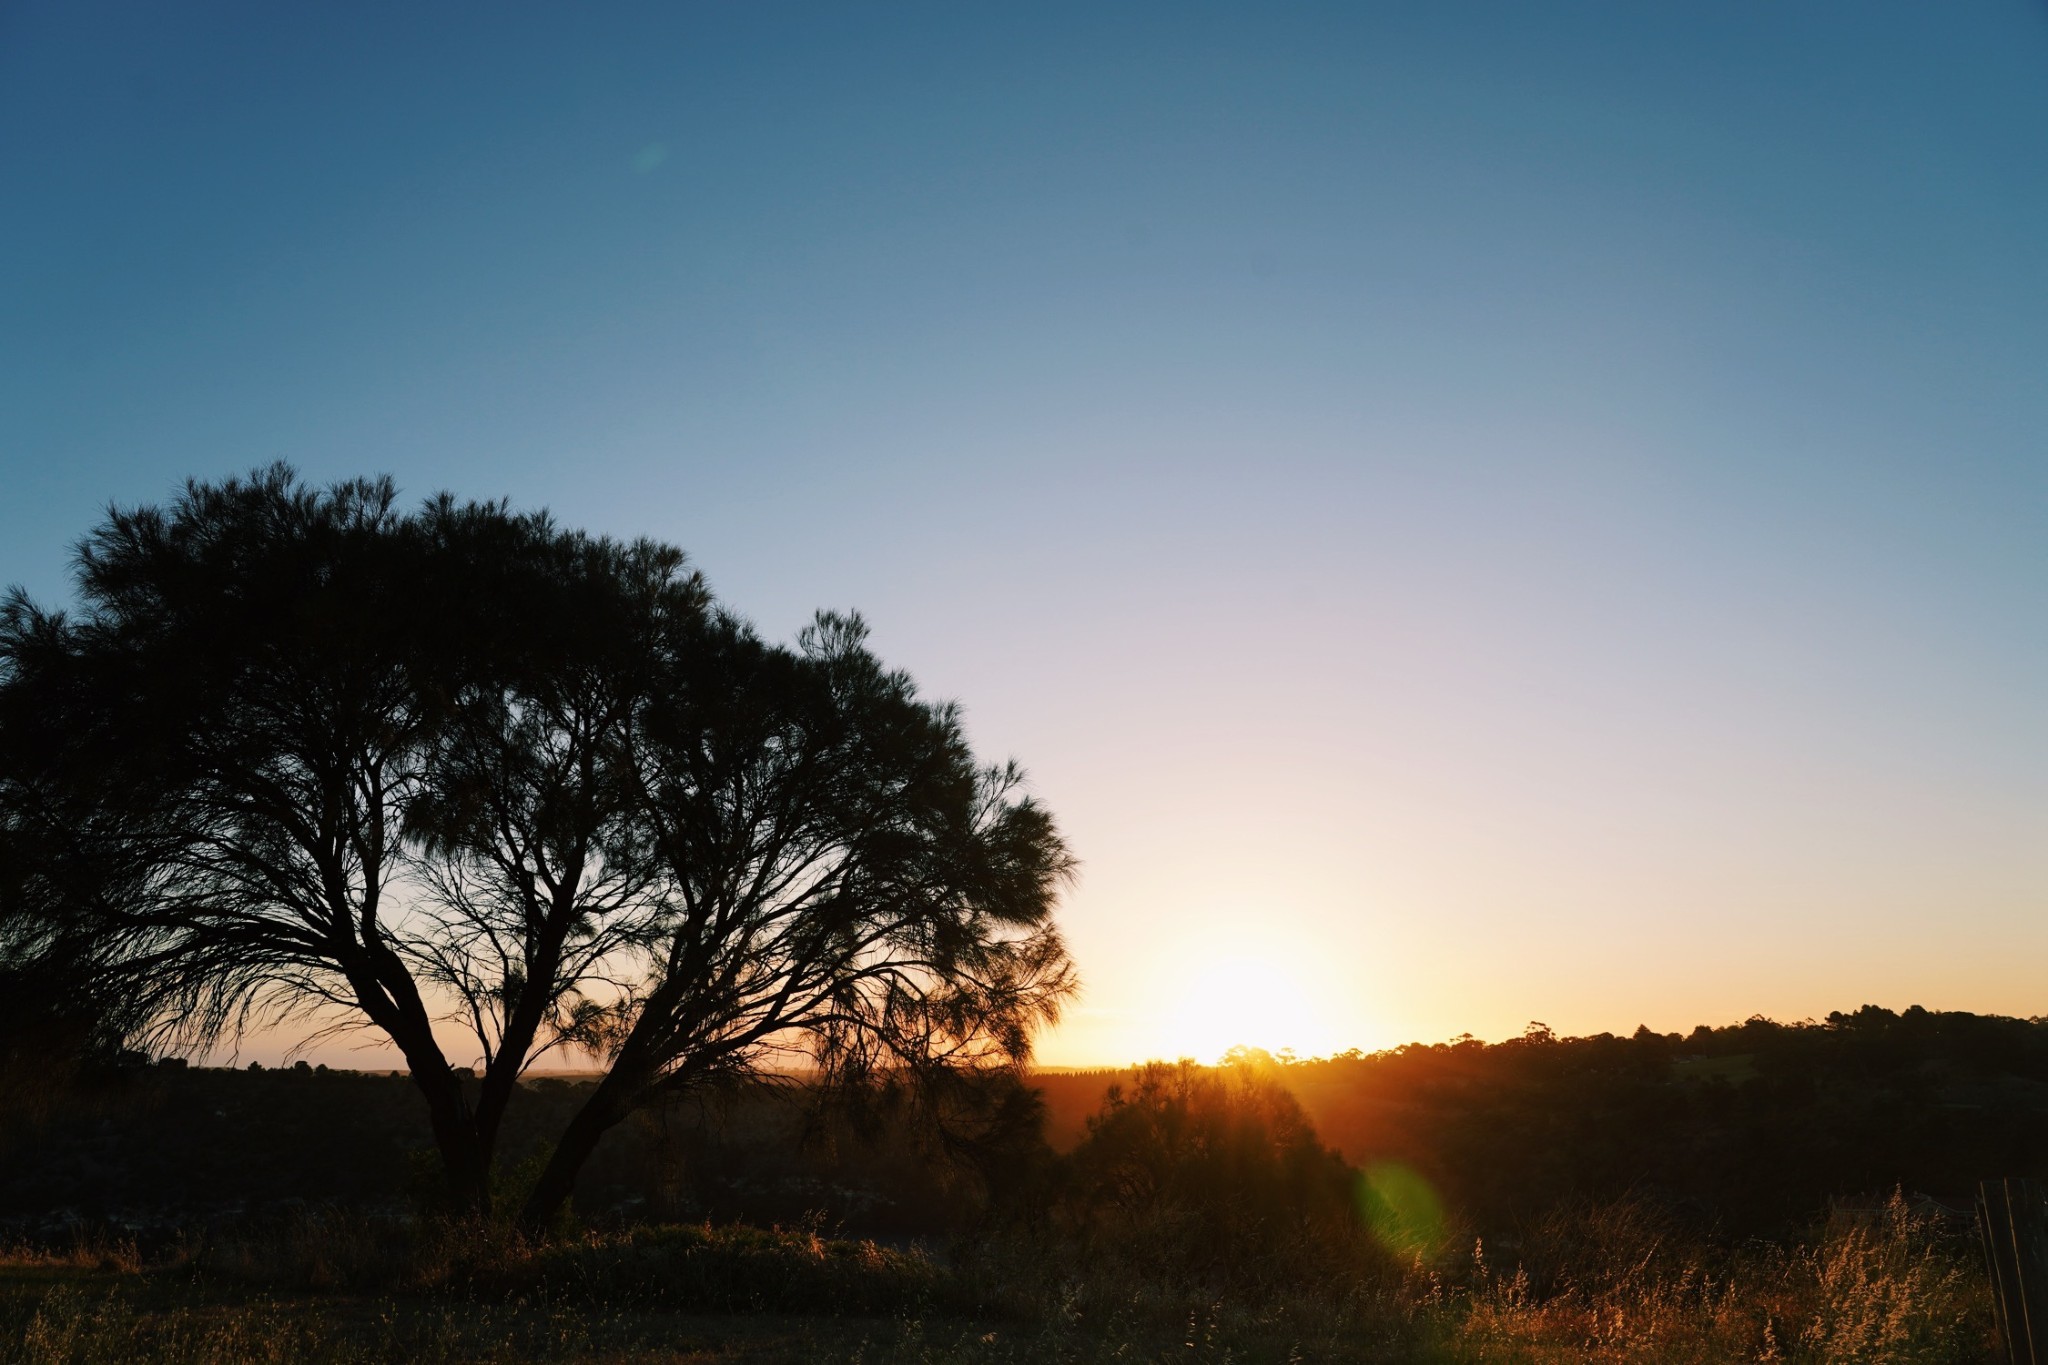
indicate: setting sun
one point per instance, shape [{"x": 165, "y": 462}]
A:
[{"x": 1232, "y": 1001}]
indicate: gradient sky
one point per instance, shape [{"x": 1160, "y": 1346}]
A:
[{"x": 1470, "y": 513}]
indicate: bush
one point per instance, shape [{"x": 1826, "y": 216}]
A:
[{"x": 1216, "y": 1174}]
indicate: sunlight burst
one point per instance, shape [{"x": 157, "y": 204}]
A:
[{"x": 1243, "y": 1001}]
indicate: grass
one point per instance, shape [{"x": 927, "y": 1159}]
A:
[
  {"x": 1882, "y": 1290},
  {"x": 1597, "y": 1285}
]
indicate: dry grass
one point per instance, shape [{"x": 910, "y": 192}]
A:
[
  {"x": 1614, "y": 1284},
  {"x": 1885, "y": 1290}
]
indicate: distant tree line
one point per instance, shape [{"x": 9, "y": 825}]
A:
[
  {"x": 1749, "y": 1128},
  {"x": 496, "y": 790},
  {"x": 1265, "y": 1170}
]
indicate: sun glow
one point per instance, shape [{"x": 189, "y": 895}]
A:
[{"x": 1236, "y": 1001}]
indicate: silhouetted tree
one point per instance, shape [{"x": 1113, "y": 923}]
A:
[
  {"x": 462, "y": 768},
  {"x": 57, "y": 1018}
]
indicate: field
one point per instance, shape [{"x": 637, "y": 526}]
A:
[{"x": 1880, "y": 1289}]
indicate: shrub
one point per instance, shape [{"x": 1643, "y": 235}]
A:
[{"x": 1215, "y": 1173}]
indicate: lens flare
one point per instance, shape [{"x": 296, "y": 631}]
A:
[{"x": 1401, "y": 1210}]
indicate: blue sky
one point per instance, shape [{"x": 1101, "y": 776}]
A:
[{"x": 1470, "y": 512}]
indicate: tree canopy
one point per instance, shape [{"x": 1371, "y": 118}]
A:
[{"x": 495, "y": 788}]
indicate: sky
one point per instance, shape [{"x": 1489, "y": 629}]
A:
[{"x": 1469, "y": 513}]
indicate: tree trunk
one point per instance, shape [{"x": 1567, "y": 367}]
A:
[
  {"x": 599, "y": 1115},
  {"x": 464, "y": 1158},
  {"x": 394, "y": 1004}
]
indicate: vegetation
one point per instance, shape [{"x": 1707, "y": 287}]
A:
[
  {"x": 1746, "y": 1129},
  {"x": 1885, "y": 1288},
  {"x": 301, "y": 753},
  {"x": 1198, "y": 1216}
]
